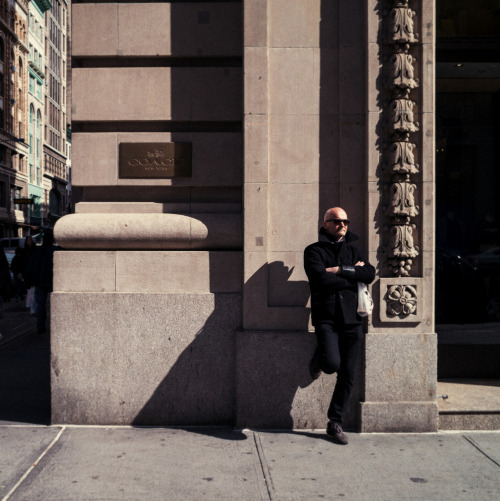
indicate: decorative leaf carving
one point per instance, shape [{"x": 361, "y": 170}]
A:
[
  {"x": 402, "y": 116},
  {"x": 403, "y": 200},
  {"x": 402, "y": 72},
  {"x": 401, "y": 249},
  {"x": 401, "y": 159},
  {"x": 401, "y": 25}
]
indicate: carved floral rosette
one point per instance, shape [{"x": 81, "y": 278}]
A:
[
  {"x": 398, "y": 159},
  {"x": 402, "y": 302}
]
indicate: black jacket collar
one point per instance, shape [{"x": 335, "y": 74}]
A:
[{"x": 327, "y": 238}]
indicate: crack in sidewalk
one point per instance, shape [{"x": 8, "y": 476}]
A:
[
  {"x": 478, "y": 447},
  {"x": 265, "y": 468},
  {"x": 33, "y": 466}
]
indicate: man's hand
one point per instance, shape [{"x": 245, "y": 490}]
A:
[{"x": 336, "y": 269}]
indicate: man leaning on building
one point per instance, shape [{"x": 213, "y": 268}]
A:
[{"x": 334, "y": 267}]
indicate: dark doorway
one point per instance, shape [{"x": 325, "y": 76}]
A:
[{"x": 467, "y": 189}]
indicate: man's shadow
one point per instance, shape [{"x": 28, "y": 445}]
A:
[{"x": 228, "y": 377}]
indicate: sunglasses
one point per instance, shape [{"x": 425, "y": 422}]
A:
[{"x": 338, "y": 221}]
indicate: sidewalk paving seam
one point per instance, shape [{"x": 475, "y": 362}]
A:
[
  {"x": 33, "y": 466},
  {"x": 265, "y": 468},
  {"x": 478, "y": 447}
]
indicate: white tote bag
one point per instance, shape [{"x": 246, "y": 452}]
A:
[{"x": 365, "y": 301}]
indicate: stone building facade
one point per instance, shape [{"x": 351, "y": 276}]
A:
[
  {"x": 37, "y": 187},
  {"x": 56, "y": 149},
  {"x": 180, "y": 297}
]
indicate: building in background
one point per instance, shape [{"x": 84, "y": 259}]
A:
[
  {"x": 37, "y": 183},
  {"x": 34, "y": 145},
  {"x": 13, "y": 115},
  {"x": 55, "y": 149}
]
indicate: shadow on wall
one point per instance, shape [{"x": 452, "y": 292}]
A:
[
  {"x": 199, "y": 387},
  {"x": 223, "y": 376},
  {"x": 272, "y": 366}
]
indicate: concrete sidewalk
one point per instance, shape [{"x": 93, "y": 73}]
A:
[{"x": 91, "y": 463}]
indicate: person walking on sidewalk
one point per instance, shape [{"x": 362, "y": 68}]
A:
[
  {"x": 18, "y": 267},
  {"x": 4, "y": 280},
  {"x": 28, "y": 251},
  {"x": 334, "y": 267},
  {"x": 40, "y": 273}
]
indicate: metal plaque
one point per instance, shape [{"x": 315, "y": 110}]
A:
[{"x": 155, "y": 160}]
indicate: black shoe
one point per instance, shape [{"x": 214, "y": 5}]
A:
[
  {"x": 335, "y": 431},
  {"x": 314, "y": 369}
]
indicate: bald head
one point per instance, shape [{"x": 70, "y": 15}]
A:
[
  {"x": 336, "y": 222},
  {"x": 335, "y": 213}
]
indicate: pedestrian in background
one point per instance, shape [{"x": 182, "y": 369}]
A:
[
  {"x": 18, "y": 267},
  {"x": 40, "y": 272},
  {"x": 28, "y": 251},
  {"x": 5, "y": 283}
]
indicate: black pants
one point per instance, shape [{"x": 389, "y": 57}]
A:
[{"x": 338, "y": 351}]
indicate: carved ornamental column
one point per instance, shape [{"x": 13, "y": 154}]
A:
[
  {"x": 400, "y": 173},
  {"x": 401, "y": 346}
]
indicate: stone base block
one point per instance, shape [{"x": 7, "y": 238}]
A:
[
  {"x": 273, "y": 385},
  {"x": 143, "y": 358},
  {"x": 404, "y": 417},
  {"x": 400, "y": 367},
  {"x": 469, "y": 421}
]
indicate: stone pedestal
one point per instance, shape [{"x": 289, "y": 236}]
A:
[{"x": 144, "y": 337}]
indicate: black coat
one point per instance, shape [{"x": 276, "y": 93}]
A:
[
  {"x": 334, "y": 298},
  {"x": 40, "y": 268}
]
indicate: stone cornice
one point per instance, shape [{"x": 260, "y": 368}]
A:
[
  {"x": 150, "y": 231},
  {"x": 36, "y": 70},
  {"x": 43, "y": 5},
  {"x": 10, "y": 31}
]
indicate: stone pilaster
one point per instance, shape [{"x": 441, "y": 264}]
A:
[{"x": 401, "y": 346}]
